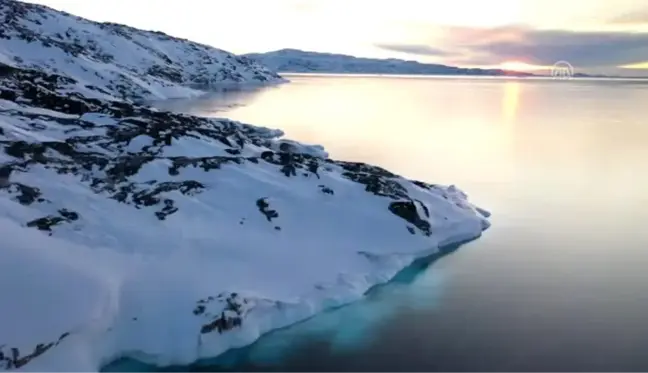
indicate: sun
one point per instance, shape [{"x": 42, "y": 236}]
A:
[{"x": 520, "y": 66}]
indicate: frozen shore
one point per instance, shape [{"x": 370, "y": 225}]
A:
[{"x": 129, "y": 231}]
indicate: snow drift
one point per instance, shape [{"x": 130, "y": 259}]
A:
[{"x": 127, "y": 231}]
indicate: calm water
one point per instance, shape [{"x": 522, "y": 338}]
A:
[{"x": 560, "y": 282}]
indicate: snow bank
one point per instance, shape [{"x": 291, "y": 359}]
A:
[{"x": 150, "y": 293}]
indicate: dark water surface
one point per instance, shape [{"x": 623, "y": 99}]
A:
[{"x": 559, "y": 283}]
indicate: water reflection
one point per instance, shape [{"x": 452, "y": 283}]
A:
[
  {"x": 558, "y": 283},
  {"x": 510, "y": 101},
  {"x": 216, "y": 100}
]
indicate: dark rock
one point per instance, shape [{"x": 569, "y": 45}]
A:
[
  {"x": 233, "y": 151},
  {"x": 5, "y": 174},
  {"x": 376, "y": 180},
  {"x": 426, "y": 211},
  {"x": 70, "y": 215},
  {"x": 326, "y": 190},
  {"x": 224, "y": 323},
  {"x": 206, "y": 163},
  {"x": 407, "y": 210},
  {"x": 291, "y": 162},
  {"x": 199, "y": 310},
  {"x": 46, "y": 223},
  {"x": 264, "y": 207},
  {"x": 16, "y": 361}
]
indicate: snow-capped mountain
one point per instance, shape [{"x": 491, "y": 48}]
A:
[
  {"x": 297, "y": 61},
  {"x": 116, "y": 59},
  {"x": 129, "y": 231}
]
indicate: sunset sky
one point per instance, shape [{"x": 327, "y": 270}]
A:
[{"x": 594, "y": 36}]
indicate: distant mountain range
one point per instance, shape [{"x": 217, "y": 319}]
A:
[{"x": 297, "y": 61}]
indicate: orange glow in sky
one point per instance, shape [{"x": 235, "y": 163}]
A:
[
  {"x": 641, "y": 65},
  {"x": 520, "y": 66}
]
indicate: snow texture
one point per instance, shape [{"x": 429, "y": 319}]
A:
[
  {"x": 131, "y": 232},
  {"x": 297, "y": 61},
  {"x": 115, "y": 59}
]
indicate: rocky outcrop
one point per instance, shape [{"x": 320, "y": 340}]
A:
[
  {"x": 12, "y": 358},
  {"x": 100, "y": 150}
]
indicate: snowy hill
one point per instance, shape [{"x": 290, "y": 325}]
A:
[
  {"x": 128, "y": 231},
  {"x": 116, "y": 59},
  {"x": 297, "y": 61}
]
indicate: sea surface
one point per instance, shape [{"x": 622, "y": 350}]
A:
[{"x": 560, "y": 281}]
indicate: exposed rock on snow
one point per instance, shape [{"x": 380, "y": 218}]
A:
[{"x": 108, "y": 148}]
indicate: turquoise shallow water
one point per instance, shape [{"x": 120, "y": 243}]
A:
[
  {"x": 558, "y": 282},
  {"x": 344, "y": 330}
]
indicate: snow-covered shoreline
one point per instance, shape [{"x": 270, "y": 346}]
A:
[
  {"x": 127, "y": 235},
  {"x": 290, "y": 239},
  {"x": 115, "y": 333},
  {"x": 133, "y": 232}
]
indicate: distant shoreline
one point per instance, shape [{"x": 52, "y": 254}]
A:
[
  {"x": 299, "y": 61},
  {"x": 463, "y": 76}
]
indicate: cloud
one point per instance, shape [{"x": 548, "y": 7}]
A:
[
  {"x": 638, "y": 17},
  {"x": 592, "y": 49},
  {"x": 489, "y": 46},
  {"x": 415, "y": 49}
]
